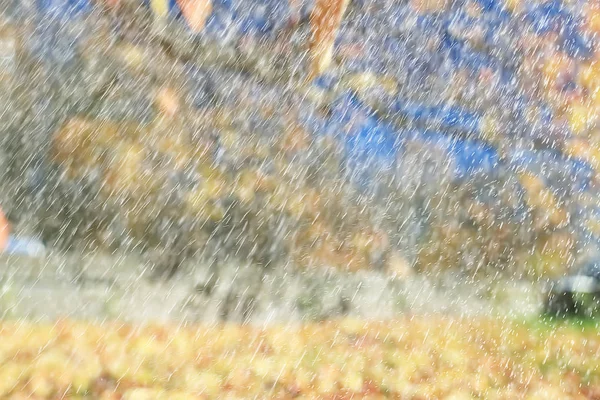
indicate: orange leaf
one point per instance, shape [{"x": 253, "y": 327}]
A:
[
  {"x": 325, "y": 20},
  {"x": 168, "y": 102},
  {"x": 4, "y": 231},
  {"x": 195, "y": 12}
]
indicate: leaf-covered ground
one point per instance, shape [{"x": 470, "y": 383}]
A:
[{"x": 412, "y": 358}]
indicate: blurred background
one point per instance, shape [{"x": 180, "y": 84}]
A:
[
  {"x": 451, "y": 140},
  {"x": 198, "y": 205}
]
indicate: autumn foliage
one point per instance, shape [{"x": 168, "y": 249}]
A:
[{"x": 416, "y": 358}]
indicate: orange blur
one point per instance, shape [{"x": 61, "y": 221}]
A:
[
  {"x": 4, "y": 231},
  {"x": 325, "y": 21},
  {"x": 195, "y": 12}
]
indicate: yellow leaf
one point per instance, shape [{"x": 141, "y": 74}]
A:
[
  {"x": 160, "y": 8},
  {"x": 11, "y": 374},
  {"x": 352, "y": 381},
  {"x": 581, "y": 118}
]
